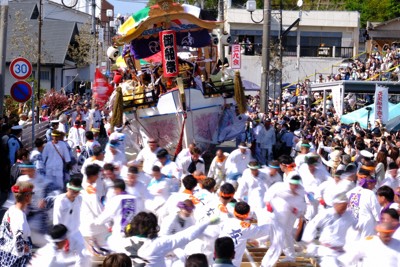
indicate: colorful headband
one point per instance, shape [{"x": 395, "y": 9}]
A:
[
  {"x": 221, "y": 194},
  {"x": 368, "y": 168},
  {"x": 16, "y": 189},
  {"x": 28, "y": 166},
  {"x": 256, "y": 167},
  {"x": 74, "y": 187},
  {"x": 55, "y": 134},
  {"x": 306, "y": 145},
  {"x": 241, "y": 216},
  {"x": 273, "y": 167},
  {"x": 385, "y": 231},
  {"x": 294, "y": 181},
  {"x": 182, "y": 205}
]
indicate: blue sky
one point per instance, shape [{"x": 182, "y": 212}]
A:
[{"x": 126, "y": 7}]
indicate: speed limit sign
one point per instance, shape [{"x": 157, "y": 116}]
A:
[{"x": 20, "y": 68}]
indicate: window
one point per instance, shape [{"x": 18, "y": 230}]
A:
[{"x": 45, "y": 75}]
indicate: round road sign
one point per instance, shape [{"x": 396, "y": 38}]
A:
[
  {"x": 20, "y": 68},
  {"x": 21, "y": 91}
]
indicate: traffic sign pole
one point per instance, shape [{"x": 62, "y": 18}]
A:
[{"x": 33, "y": 117}]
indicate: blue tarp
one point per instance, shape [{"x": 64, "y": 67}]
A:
[{"x": 361, "y": 115}]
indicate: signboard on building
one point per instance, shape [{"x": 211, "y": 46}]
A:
[{"x": 236, "y": 57}]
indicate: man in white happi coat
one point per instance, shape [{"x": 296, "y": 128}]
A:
[
  {"x": 148, "y": 156},
  {"x": 169, "y": 168},
  {"x": 66, "y": 210},
  {"x": 301, "y": 157},
  {"x": 175, "y": 223},
  {"x": 55, "y": 156},
  {"x": 237, "y": 162},
  {"x": 159, "y": 188},
  {"x": 331, "y": 226},
  {"x": 76, "y": 135},
  {"x": 137, "y": 188},
  {"x": 267, "y": 141},
  {"x": 119, "y": 210},
  {"x": 56, "y": 253},
  {"x": 375, "y": 250},
  {"x": 217, "y": 168},
  {"x": 392, "y": 178},
  {"x": 252, "y": 188},
  {"x": 93, "y": 197},
  {"x": 364, "y": 205},
  {"x": 194, "y": 162},
  {"x": 313, "y": 174},
  {"x": 272, "y": 172},
  {"x": 241, "y": 230},
  {"x": 114, "y": 154},
  {"x": 97, "y": 158},
  {"x": 285, "y": 201}
]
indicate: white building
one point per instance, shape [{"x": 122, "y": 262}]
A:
[{"x": 337, "y": 30}]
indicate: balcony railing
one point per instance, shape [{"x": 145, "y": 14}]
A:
[{"x": 305, "y": 51}]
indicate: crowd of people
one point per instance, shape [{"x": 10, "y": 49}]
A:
[{"x": 298, "y": 179}]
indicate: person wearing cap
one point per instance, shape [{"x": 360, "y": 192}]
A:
[
  {"x": 240, "y": 229},
  {"x": 56, "y": 156},
  {"x": 392, "y": 179},
  {"x": 14, "y": 143},
  {"x": 53, "y": 126},
  {"x": 67, "y": 210},
  {"x": 331, "y": 226},
  {"x": 252, "y": 187},
  {"x": 375, "y": 250},
  {"x": 147, "y": 156},
  {"x": 364, "y": 204},
  {"x": 55, "y": 252},
  {"x": 137, "y": 188},
  {"x": 118, "y": 135},
  {"x": 217, "y": 168},
  {"x": 119, "y": 210},
  {"x": 237, "y": 162},
  {"x": 285, "y": 201},
  {"x": 177, "y": 222},
  {"x": 16, "y": 245}
]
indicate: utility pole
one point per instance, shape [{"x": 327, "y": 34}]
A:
[
  {"x": 265, "y": 57},
  {"x": 94, "y": 30},
  {"x": 3, "y": 50},
  {"x": 221, "y": 30},
  {"x": 39, "y": 56}
]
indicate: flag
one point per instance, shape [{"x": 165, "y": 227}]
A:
[
  {"x": 381, "y": 103},
  {"x": 133, "y": 21},
  {"x": 102, "y": 90}
]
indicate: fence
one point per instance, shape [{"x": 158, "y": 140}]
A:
[{"x": 40, "y": 132}]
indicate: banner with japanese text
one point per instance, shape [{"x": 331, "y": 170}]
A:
[
  {"x": 337, "y": 101},
  {"x": 381, "y": 103},
  {"x": 102, "y": 90},
  {"x": 236, "y": 57},
  {"x": 169, "y": 53}
]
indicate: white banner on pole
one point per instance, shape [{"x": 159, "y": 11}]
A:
[
  {"x": 381, "y": 103},
  {"x": 337, "y": 101}
]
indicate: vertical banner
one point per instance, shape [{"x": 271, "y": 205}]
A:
[
  {"x": 337, "y": 101},
  {"x": 381, "y": 103},
  {"x": 102, "y": 90},
  {"x": 236, "y": 60},
  {"x": 169, "y": 53}
]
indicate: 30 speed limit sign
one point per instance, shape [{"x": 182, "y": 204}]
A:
[{"x": 20, "y": 68}]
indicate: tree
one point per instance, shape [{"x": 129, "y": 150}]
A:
[
  {"x": 24, "y": 38},
  {"x": 84, "y": 48}
]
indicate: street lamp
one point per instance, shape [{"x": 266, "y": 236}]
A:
[{"x": 266, "y": 39}]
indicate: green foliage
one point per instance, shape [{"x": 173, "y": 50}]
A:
[{"x": 83, "y": 51}]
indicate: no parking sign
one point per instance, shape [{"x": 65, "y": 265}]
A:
[{"x": 21, "y": 91}]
